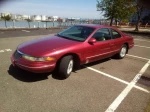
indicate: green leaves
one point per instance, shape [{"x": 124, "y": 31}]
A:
[
  {"x": 6, "y": 18},
  {"x": 116, "y": 9}
]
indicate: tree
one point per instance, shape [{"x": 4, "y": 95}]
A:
[
  {"x": 6, "y": 18},
  {"x": 116, "y": 9},
  {"x": 140, "y": 5}
]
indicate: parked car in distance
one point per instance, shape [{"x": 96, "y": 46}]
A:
[{"x": 77, "y": 45}]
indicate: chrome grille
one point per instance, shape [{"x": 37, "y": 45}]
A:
[{"x": 17, "y": 55}]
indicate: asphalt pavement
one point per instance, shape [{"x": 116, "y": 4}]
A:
[
  {"x": 28, "y": 32},
  {"x": 107, "y": 85}
]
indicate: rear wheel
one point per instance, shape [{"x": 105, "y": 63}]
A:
[
  {"x": 122, "y": 52},
  {"x": 66, "y": 66}
]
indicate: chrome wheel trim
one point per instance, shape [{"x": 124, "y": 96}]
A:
[
  {"x": 70, "y": 67},
  {"x": 123, "y": 51}
]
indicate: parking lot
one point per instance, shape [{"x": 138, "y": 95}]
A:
[{"x": 107, "y": 85}]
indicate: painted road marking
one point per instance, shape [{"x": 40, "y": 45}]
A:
[
  {"x": 117, "y": 79},
  {"x": 8, "y": 49},
  {"x": 137, "y": 57},
  {"x": 25, "y": 30},
  {"x": 126, "y": 91},
  {"x": 1, "y": 51},
  {"x": 5, "y": 50},
  {"x": 142, "y": 40},
  {"x": 142, "y": 46}
]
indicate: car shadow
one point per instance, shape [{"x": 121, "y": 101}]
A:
[{"x": 26, "y": 76}]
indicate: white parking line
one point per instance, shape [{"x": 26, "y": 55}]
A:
[
  {"x": 142, "y": 46},
  {"x": 1, "y": 51},
  {"x": 25, "y": 30},
  {"x": 8, "y": 49},
  {"x": 137, "y": 57},
  {"x": 117, "y": 79},
  {"x": 142, "y": 40},
  {"x": 5, "y": 50},
  {"x": 126, "y": 91}
]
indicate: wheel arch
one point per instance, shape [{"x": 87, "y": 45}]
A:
[
  {"x": 127, "y": 46},
  {"x": 76, "y": 59}
]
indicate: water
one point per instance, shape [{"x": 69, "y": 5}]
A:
[{"x": 24, "y": 24}]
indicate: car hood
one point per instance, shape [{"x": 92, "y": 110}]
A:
[{"x": 43, "y": 46}]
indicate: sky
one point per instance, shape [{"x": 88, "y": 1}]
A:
[{"x": 61, "y": 8}]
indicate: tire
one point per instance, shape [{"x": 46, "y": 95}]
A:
[
  {"x": 66, "y": 66},
  {"x": 123, "y": 52}
]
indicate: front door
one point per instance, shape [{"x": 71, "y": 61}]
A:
[{"x": 102, "y": 48}]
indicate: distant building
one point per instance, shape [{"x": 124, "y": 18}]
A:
[
  {"x": 39, "y": 17},
  {"x": 13, "y": 16},
  {"x": 44, "y": 18},
  {"x": 25, "y": 17},
  {"x": 50, "y": 18},
  {"x": 36, "y": 17},
  {"x": 18, "y": 17},
  {"x": 54, "y": 18},
  {"x": 73, "y": 19}
]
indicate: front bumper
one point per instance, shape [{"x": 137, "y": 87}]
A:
[{"x": 36, "y": 67}]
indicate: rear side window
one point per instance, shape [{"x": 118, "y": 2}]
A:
[
  {"x": 102, "y": 35},
  {"x": 115, "y": 34}
]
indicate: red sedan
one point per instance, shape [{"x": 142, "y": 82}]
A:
[{"x": 77, "y": 45}]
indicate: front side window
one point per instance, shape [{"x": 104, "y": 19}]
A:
[
  {"x": 102, "y": 35},
  {"x": 115, "y": 34},
  {"x": 77, "y": 33}
]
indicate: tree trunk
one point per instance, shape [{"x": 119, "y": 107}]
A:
[
  {"x": 38, "y": 24},
  {"x": 29, "y": 24},
  {"x": 53, "y": 24},
  {"x": 13, "y": 23},
  {"x": 5, "y": 24},
  {"x": 139, "y": 18},
  {"x": 116, "y": 22},
  {"x": 138, "y": 21},
  {"x": 111, "y": 21},
  {"x": 46, "y": 24}
]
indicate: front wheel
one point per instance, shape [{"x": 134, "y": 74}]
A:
[
  {"x": 122, "y": 52},
  {"x": 66, "y": 66}
]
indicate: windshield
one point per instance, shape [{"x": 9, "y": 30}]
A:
[{"x": 77, "y": 33}]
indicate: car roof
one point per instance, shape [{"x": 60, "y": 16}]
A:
[{"x": 95, "y": 26}]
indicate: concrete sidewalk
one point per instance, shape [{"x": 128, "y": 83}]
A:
[{"x": 142, "y": 30}]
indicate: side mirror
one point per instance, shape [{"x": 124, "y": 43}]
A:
[{"x": 92, "y": 40}]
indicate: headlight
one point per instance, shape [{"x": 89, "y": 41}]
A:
[{"x": 38, "y": 59}]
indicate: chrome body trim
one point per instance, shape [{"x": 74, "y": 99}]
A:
[
  {"x": 34, "y": 67},
  {"x": 102, "y": 54}
]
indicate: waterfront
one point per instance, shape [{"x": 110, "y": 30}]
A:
[{"x": 24, "y": 24}]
